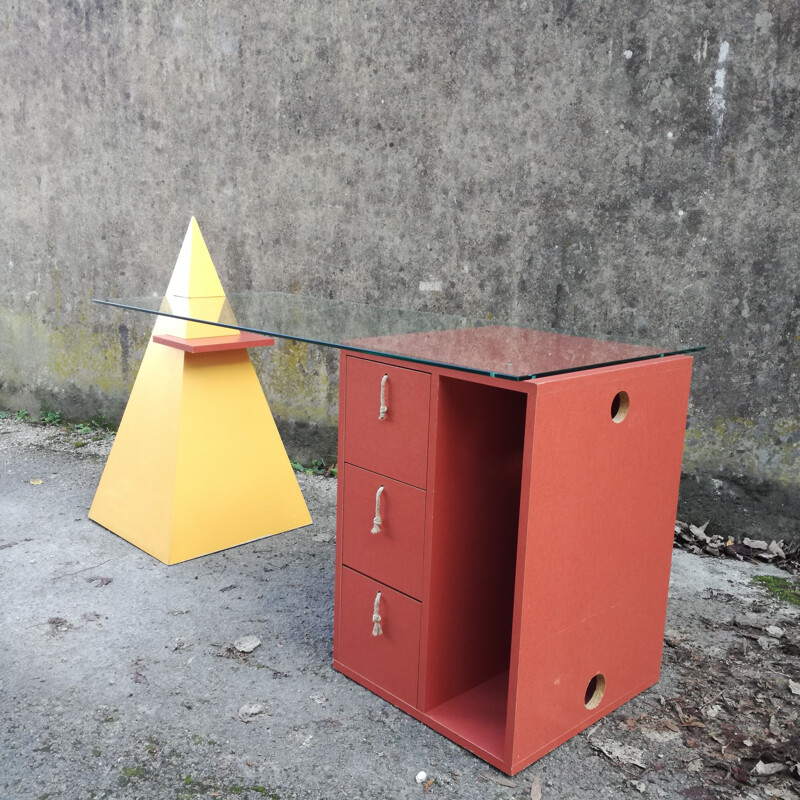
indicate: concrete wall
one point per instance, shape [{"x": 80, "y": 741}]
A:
[{"x": 627, "y": 167}]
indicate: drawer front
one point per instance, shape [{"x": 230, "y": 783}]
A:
[
  {"x": 391, "y": 660},
  {"x": 392, "y": 554},
  {"x": 393, "y": 442}
]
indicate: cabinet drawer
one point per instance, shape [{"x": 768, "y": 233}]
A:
[
  {"x": 394, "y": 443},
  {"x": 390, "y": 660},
  {"x": 393, "y": 554}
]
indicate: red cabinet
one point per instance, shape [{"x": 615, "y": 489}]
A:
[{"x": 516, "y": 608}]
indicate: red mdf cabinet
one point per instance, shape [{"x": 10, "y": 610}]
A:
[{"x": 504, "y": 547}]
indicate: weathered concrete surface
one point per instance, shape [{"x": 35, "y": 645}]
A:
[
  {"x": 629, "y": 168},
  {"x": 118, "y": 680}
]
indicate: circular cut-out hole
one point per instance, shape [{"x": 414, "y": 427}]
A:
[
  {"x": 595, "y": 691},
  {"x": 619, "y": 406}
]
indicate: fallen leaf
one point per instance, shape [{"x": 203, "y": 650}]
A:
[
  {"x": 246, "y": 644},
  {"x": 501, "y": 781},
  {"x": 673, "y": 726},
  {"x": 768, "y": 769},
  {"x": 623, "y": 753},
  {"x": 755, "y": 544},
  {"x": 35, "y": 481},
  {"x": 428, "y": 785},
  {"x": 699, "y": 533},
  {"x": 740, "y": 774},
  {"x": 776, "y": 549},
  {"x": 536, "y": 787},
  {"x": 794, "y": 687}
]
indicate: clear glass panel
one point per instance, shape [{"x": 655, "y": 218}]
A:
[{"x": 447, "y": 340}]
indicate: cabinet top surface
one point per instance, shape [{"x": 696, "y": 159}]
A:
[{"x": 482, "y": 346}]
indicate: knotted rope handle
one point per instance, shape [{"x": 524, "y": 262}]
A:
[
  {"x": 377, "y": 522},
  {"x": 376, "y": 617},
  {"x": 382, "y": 410}
]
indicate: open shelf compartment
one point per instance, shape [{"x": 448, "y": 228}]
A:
[{"x": 477, "y": 484}]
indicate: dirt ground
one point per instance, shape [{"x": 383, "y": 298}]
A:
[{"x": 120, "y": 677}]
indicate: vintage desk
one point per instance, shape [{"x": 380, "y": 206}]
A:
[{"x": 506, "y": 505}]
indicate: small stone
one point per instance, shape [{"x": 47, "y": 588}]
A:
[
  {"x": 421, "y": 777},
  {"x": 251, "y": 710}
]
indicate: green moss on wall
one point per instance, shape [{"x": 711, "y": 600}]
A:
[
  {"x": 67, "y": 360},
  {"x": 768, "y": 448},
  {"x": 297, "y": 384}
]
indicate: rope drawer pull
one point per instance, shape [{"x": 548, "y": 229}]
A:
[
  {"x": 376, "y": 617},
  {"x": 377, "y": 522},
  {"x": 382, "y": 410}
]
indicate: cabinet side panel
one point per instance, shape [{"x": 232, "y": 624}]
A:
[{"x": 606, "y": 458}]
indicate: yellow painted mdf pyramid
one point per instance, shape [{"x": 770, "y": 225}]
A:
[{"x": 198, "y": 464}]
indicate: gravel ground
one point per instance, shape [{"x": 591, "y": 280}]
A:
[{"x": 119, "y": 677}]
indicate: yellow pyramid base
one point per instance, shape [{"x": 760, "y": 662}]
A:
[{"x": 198, "y": 464}]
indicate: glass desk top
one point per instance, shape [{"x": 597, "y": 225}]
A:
[{"x": 480, "y": 346}]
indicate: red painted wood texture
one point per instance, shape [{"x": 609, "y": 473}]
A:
[
  {"x": 211, "y": 344},
  {"x": 391, "y": 659},
  {"x": 594, "y": 562},
  {"x": 393, "y": 555},
  {"x": 396, "y": 446},
  {"x": 474, "y": 537}
]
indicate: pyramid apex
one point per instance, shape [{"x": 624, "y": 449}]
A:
[{"x": 194, "y": 275}]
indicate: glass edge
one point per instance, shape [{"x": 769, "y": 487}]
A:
[{"x": 409, "y": 359}]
